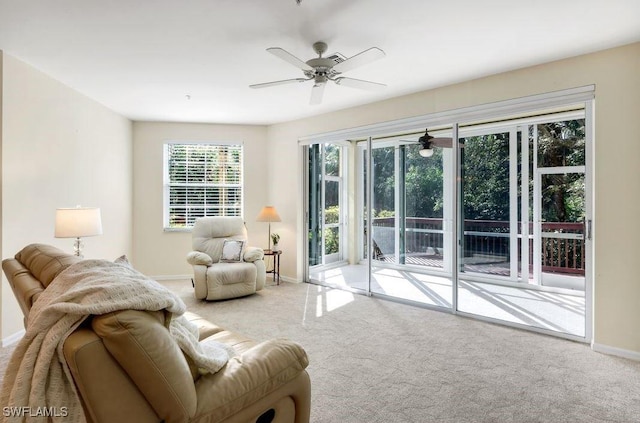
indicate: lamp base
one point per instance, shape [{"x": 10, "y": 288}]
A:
[
  {"x": 269, "y": 238},
  {"x": 77, "y": 247}
]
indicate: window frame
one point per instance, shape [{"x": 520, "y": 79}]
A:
[{"x": 166, "y": 184}]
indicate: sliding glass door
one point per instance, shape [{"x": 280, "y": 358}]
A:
[
  {"x": 489, "y": 206},
  {"x": 410, "y": 209},
  {"x": 523, "y": 212},
  {"x": 326, "y": 204},
  {"x": 490, "y": 219}
]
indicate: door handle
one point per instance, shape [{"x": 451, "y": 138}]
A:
[{"x": 589, "y": 229}]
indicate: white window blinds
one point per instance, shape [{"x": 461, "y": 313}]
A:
[{"x": 201, "y": 180}]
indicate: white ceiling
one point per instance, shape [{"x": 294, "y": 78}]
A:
[{"x": 142, "y": 58}]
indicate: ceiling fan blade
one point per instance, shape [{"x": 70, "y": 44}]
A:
[
  {"x": 289, "y": 58},
  {"x": 442, "y": 142},
  {"x": 367, "y": 56},
  {"x": 316, "y": 93},
  {"x": 359, "y": 83},
  {"x": 274, "y": 83}
]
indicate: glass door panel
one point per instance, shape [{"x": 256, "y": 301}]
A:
[
  {"x": 424, "y": 204},
  {"x": 326, "y": 212},
  {"x": 522, "y": 240},
  {"x": 562, "y": 216},
  {"x": 383, "y": 201},
  {"x": 486, "y": 205},
  {"x": 314, "y": 201},
  {"x": 332, "y": 224},
  {"x": 560, "y": 204},
  {"x": 409, "y": 246}
]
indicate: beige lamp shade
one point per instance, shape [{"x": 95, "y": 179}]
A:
[
  {"x": 78, "y": 222},
  {"x": 268, "y": 214}
]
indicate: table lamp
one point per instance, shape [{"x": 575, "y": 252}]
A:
[
  {"x": 269, "y": 214},
  {"x": 77, "y": 223}
]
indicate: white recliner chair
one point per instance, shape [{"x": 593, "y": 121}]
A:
[{"x": 223, "y": 265}]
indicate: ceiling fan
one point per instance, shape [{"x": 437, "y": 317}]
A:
[
  {"x": 428, "y": 142},
  {"x": 323, "y": 69}
]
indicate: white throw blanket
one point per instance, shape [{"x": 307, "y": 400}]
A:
[{"x": 37, "y": 375}]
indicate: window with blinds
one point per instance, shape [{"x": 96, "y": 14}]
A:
[{"x": 201, "y": 180}]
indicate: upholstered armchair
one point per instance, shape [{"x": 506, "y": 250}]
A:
[{"x": 223, "y": 265}]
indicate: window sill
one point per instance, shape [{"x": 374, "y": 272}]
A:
[{"x": 189, "y": 229}]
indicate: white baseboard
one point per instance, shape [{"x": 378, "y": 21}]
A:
[
  {"x": 171, "y": 277},
  {"x": 618, "y": 352},
  {"x": 12, "y": 339},
  {"x": 287, "y": 279}
]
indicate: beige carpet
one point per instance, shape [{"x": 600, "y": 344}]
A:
[{"x": 377, "y": 361}]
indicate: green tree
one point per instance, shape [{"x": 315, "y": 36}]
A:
[
  {"x": 423, "y": 183},
  {"x": 486, "y": 177},
  {"x": 562, "y": 144}
]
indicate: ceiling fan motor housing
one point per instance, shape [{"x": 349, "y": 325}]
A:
[{"x": 321, "y": 67}]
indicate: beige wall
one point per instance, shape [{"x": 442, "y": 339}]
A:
[
  {"x": 160, "y": 253},
  {"x": 59, "y": 149},
  {"x": 615, "y": 74}
]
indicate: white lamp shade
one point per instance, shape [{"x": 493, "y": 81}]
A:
[
  {"x": 268, "y": 214},
  {"x": 426, "y": 152},
  {"x": 78, "y": 222}
]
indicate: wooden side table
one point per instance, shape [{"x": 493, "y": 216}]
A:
[{"x": 276, "y": 264}]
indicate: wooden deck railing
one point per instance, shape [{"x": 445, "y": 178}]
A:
[{"x": 562, "y": 250}]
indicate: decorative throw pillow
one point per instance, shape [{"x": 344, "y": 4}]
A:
[{"x": 232, "y": 251}]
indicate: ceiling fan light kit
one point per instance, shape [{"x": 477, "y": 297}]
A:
[
  {"x": 425, "y": 141},
  {"x": 321, "y": 69},
  {"x": 426, "y": 152},
  {"x": 428, "y": 142}
]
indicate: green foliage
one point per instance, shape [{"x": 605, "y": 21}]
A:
[
  {"x": 562, "y": 144},
  {"x": 332, "y": 159},
  {"x": 485, "y": 187},
  {"x": 331, "y": 241},
  {"x": 485, "y": 182},
  {"x": 332, "y": 215},
  {"x": 383, "y": 178},
  {"x": 423, "y": 183},
  {"x": 275, "y": 238},
  {"x": 383, "y": 213}
]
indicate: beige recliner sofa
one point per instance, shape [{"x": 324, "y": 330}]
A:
[
  {"x": 217, "y": 274},
  {"x": 127, "y": 368}
]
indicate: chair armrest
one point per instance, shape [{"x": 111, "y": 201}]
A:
[
  {"x": 199, "y": 258},
  {"x": 252, "y": 254},
  {"x": 249, "y": 377},
  {"x": 102, "y": 382}
]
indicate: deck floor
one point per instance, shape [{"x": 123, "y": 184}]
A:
[{"x": 557, "y": 311}]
